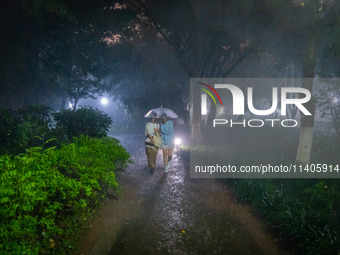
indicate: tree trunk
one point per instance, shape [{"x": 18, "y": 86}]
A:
[
  {"x": 196, "y": 133},
  {"x": 307, "y": 122}
]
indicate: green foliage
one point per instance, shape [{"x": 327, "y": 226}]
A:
[
  {"x": 24, "y": 128},
  {"x": 84, "y": 121},
  {"x": 46, "y": 194},
  {"x": 34, "y": 126},
  {"x": 301, "y": 212},
  {"x": 61, "y": 44}
]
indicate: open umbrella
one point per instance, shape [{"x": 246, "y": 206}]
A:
[{"x": 158, "y": 112}]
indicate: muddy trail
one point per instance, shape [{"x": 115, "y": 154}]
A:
[{"x": 170, "y": 213}]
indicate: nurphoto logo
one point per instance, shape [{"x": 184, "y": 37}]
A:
[{"x": 279, "y": 98}]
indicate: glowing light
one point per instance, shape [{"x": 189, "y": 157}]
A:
[
  {"x": 104, "y": 101},
  {"x": 335, "y": 100},
  {"x": 178, "y": 141},
  {"x": 70, "y": 105}
]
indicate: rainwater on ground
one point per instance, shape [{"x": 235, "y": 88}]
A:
[{"x": 170, "y": 213}]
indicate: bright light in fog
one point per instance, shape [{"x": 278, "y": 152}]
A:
[
  {"x": 70, "y": 105},
  {"x": 104, "y": 101},
  {"x": 178, "y": 141},
  {"x": 335, "y": 100}
]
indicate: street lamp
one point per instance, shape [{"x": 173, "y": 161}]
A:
[
  {"x": 178, "y": 141},
  {"x": 104, "y": 101}
]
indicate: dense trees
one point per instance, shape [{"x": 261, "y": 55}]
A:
[
  {"x": 57, "y": 48},
  {"x": 209, "y": 40},
  {"x": 215, "y": 40}
]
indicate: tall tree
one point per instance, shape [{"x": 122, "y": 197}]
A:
[
  {"x": 306, "y": 22},
  {"x": 210, "y": 40},
  {"x": 57, "y": 47}
]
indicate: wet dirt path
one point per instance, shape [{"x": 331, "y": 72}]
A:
[{"x": 169, "y": 213}]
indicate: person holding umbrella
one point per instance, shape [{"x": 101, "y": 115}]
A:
[
  {"x": 151, "y": 150},
  {"x": 167, "y": 132}
]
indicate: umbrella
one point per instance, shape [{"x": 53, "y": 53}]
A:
[{"x": 158, "y": 112}]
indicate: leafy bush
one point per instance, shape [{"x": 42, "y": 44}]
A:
[
  {"x": 27, "y": 127},
  {"x": 301, "y": 212},
  {"x": 34, "y": 126},
  {"x": 84, "y": 121},
  {"x": 46, "y": 194}
]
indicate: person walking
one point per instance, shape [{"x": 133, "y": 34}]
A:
[
  {"x": 167, "y": 132},
  {"x": 151, "y": 128}
]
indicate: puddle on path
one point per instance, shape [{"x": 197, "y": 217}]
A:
[{"x": 173, "y": 214}]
